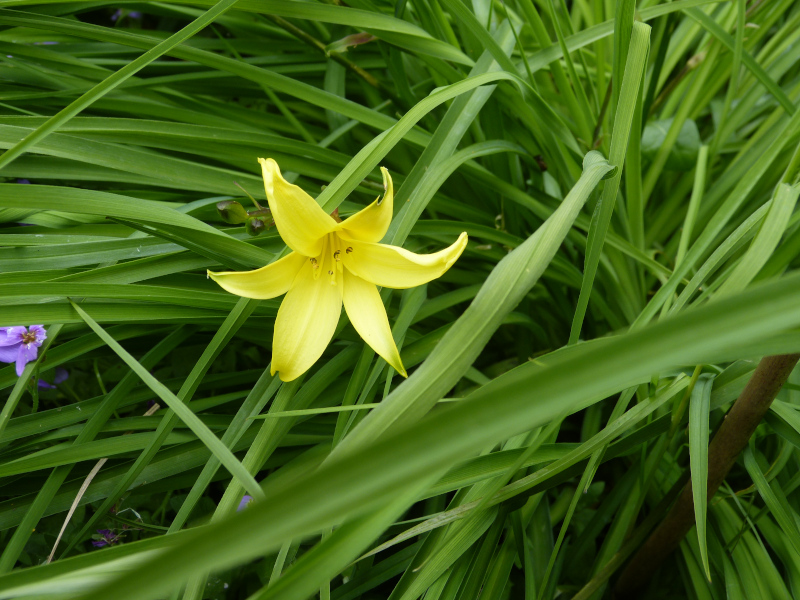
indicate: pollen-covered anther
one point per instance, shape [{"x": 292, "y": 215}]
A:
[
  {"x": 314, "y": 263},
  {"x": 28, "y": 337},
  {"x": 336, "y": 255},
  {"x": 349, "y": 249}
]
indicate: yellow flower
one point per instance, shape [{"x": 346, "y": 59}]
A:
[{"x": 332, "y": 263}]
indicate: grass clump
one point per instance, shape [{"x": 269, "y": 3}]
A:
[{"x": 627, "y": 175}]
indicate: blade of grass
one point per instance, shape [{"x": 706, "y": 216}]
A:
[
  {"x": 634, "y": 71},
  {"x": 699, "y": 407}
]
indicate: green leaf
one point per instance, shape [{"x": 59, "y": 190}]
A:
[
  {"x": 683, "y": 155},
  {"x": 699, "y": 406}
]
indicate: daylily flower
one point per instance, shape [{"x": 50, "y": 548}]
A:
[
  {"x": 332, "y": 263},
  {"x": 21, "y": 345}
]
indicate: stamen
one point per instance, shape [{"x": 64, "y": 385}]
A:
[
  {"x": 349, "y": 249},
  {"x": 337, "y": 260},
  {"x": 29, "y": 337},
  {"x": 314, "y": 263}
]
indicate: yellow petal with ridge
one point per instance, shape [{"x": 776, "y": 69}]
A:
[
  {"x": 368, "y": 315},
  {"x": 306, "y": 321},
  {"x": 393, "y": 267},
  {"x": 371, "y": 223},
  {"x": 264, "y": 283},
  {"x": 300, "y": 221}
]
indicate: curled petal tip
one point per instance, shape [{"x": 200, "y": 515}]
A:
[{"x": 460, "y": 244}]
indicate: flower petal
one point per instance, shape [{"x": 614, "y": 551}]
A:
[
  {"x": 300, "y": 221},
  {"x": 371, "y": 223},
  {"x": 366, "y": 312},
  {"x": 306, "y": 321},
  {"x": 8, "y": 354},
  {"x": 264, "y": 283},
  {"x": 244, "y": 502},
  {"x": 40, "y": 332},
  {"x": 13, "y": 335},
  {"x": 26, "y": 354},
  {"x": 61, "y": 375},
  {"x": 393, "y": 267}
]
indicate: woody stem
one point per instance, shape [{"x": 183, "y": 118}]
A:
[{"x": 730, "y": 439}]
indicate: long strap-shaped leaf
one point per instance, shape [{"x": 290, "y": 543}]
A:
[
  {"x": 698, "y": 458},
  {"x": 218, "y": 449},
  {"x": 229, "y": 327},
  {"x": 508, "y": 283},
  {"x": 517, "y": 401},
  {"x": 111, "y": 82},
  {"x": 94, "y": 425},
  {"x": 634, "y": 71}
]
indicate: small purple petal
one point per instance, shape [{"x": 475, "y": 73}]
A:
[
  {"x": 61, "y": 375},
  {"x": 104, "y": 531},
  {"x": 13, "y": 336},
  {"x": 26, "y": 354},
  {"x": 99, "y": 543},
  {"x": 116, "y": 15},
  {"x": 244, "y": 502},
  {"x": 8, "y": 354},
  {"x": 40, "y": 332},
  {"x": 135, "y": 14},
  {"x": 25, "y": 180}
]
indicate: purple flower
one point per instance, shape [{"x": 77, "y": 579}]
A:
[
  {"x": 119, "y": 14},
  {"x": 21, "y": 345},
  {"x": 245, "y": 501},
  {"x": 61, "y": 376},
  {"x": 23, "y": 181},
  {"x": 105, "y": 537}
]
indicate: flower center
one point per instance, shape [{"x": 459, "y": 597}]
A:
[
  {"x": 329, "y": 261},
  {"x": 29, "y": 337}
]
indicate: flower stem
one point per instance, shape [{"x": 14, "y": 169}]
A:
[{"x": 730, "y": 439}]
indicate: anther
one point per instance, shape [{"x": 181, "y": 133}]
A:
[
  {"x": 314, "y": 263},
  {"x": 336, "y": 255},
  {"x": 349, "y": 249},
  {"x": 330, "y": 272}
]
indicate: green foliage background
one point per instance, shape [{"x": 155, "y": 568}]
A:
[{"x": 627, "y": 174}]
